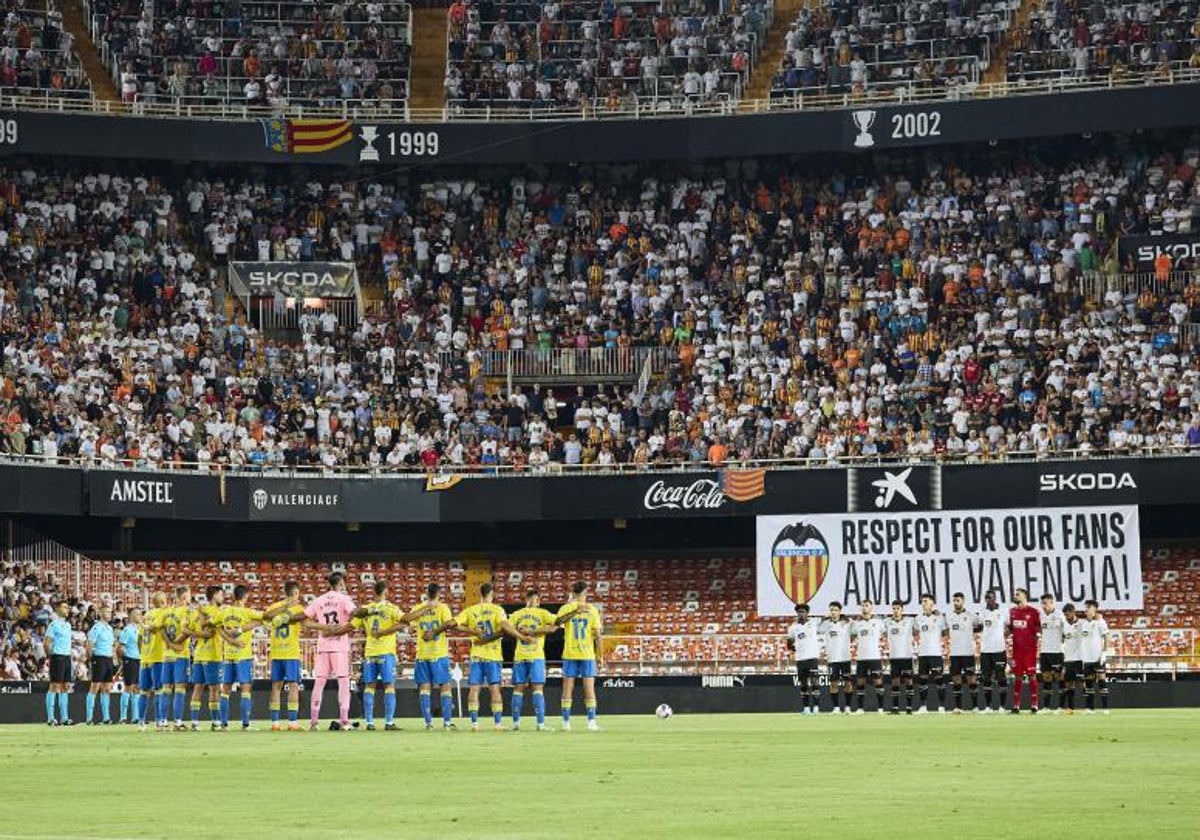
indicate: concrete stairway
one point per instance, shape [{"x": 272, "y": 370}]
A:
[
  {"x": 771, "y": 54},
  {"x": 75, "y": 22},
  {"x": 427, "y": 83},
  {"x": 997, "y": 71}
]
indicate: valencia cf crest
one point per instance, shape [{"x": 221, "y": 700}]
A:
[{"x": 800, "y": 560}]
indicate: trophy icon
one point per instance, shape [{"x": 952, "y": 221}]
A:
[
  {"x": 864, "y": 120},
  {"x": 368, "y": 152}
]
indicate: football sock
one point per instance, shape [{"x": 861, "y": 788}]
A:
[
  {"x": 1091, "y": 695},
  {"x": 105, "y": 707},
  {"x": 246, "y": 702},
  {"x": 293, "y": 708},
  {"x": 223, "y": 709},
  {"x": 539, "y": 707},
  {"x": 274, "y": 711},
  {"x": 369, "y": 705},
  {"x": 143, "y": 707},
  {"x": 447, "y": 708},
  {"x": 879, "y": 697},
  {"x": 161, "y": 702},
  {"x": 89, "y": 706},
  {"x": 314, "y": 706},
  {"x": 195, "y": 707},
  {"x": 426, "y": 708},
  {"x": 859, "y": 696},
  {"x": 123, "y": 706},
  {"x": 389, "y": 704},
  {"x": 1104, "y": 694},
  {"x": 473, "y": 711},
  {"x": 64, "y": 698},
  {"x": 344, "y": 698},
  {"x": 591, "y": 709},
  {"x": 214, "y": 711},
  {"x": 1033, "y": 692},
  {"x": 498, "y": 714},
  {"x": 180, "y": 703},
  {"x": 518, "y": 699},
  {"x": 51, "y": 698},
  {"x": 566, "y": 712}
]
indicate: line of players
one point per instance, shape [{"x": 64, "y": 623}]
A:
[
  {"x": 1065, "y": 648},
  {"x": 207, "y": 646}
]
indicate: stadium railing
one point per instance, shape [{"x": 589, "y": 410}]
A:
[
  {"x": 196, "y": 108},
  {"x": 544, "y": 364},
  {"x": 1096, "y": 284},
  {"x": 840, "y": 462}
]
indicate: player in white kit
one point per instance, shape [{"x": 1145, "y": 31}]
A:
[
  {"x": 1072, "y": 657},
  {"x": 931, "y": 625},
  {"x": 835, "y": 631},
  {"x": 804, "y": 639},
  {"x": 899, "y": 628},
  {"x": 1050, "y": 660},
  {"x": 961, "y": 624},
  {"x": 993, "y": 655},
  {"x": 1092, "y": 636},
  {"x": 867, "y": 632}
]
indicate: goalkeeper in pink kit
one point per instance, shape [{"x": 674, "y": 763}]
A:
[{"x": 331, "y": 613}]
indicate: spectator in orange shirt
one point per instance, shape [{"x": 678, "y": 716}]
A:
[
  {"x": 1162, "y": 266},
  {"x": 717, "y": 452}
]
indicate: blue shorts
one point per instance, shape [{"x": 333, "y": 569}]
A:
[
  {"x": 579, "y": 668},
  {"x": 207, "y": 673},
  {"x": 148, "y": 677},
  {"x": 432, "y": 671},
  {"x": 529, "y": 671},
  {"x": 241, "y": 672},
  {"x": 379, "y": 669},
  {"x": 175, "y": 672},
  {"x": 484, "y": 672},
  {"x": 285, "y": 670}
]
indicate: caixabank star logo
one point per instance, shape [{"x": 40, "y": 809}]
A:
[{"x": 800, "y": 560}]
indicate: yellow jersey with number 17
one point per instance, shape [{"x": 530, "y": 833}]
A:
[
  {"x": 486, "y": 619},
  {"x": 529, "y": 620},
  {"x": 379, "y": 614},
  {"x": 580, "y": 630},
  {"x": 439, "y": 647}
]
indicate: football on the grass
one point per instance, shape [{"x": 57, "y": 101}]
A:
[{"x": 663, "y": 711}]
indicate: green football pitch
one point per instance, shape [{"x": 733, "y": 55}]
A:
[{"x": 1131, "y": 774}]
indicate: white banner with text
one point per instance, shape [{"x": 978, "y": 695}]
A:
[{"x": 1072, "y": 553}]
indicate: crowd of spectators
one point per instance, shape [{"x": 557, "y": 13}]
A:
[
  {"x": 1126, "y": 41},
  {"x": 862, "y": 47},
  {"x": 38, "y": 54},
  {"x": 27, "y": 597},
  {"x": 930, "y": 307},
  {"x": 601, "y": 53},
  {"x": 271, "y": 53}
]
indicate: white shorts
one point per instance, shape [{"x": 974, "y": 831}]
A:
[{"x": 332, "y": 665}]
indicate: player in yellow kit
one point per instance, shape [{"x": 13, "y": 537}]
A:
[
  {"x": 380, "y": 620},
  {"x": 583, "y": 652},
  {"x": 174, "y": 629},
  {"x": 485, "y": 622},
  {"x": 151, "y": 677},
  {"x": 237, "y": 634},
  {"x": 207, "y": 656},
  {"x": 433, "y": 657},
  {"x": 284, "y": 620},
  {"x": 529, "y": 661}
]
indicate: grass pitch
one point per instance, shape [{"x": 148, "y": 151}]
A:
[{"x": 1132, "y": 774}]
